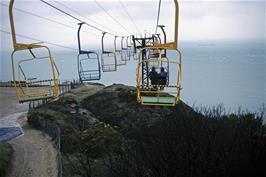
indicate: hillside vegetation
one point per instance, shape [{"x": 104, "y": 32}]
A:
[
  {"x": 6, "y": 152},
  {"x": 105, "y": 133}
]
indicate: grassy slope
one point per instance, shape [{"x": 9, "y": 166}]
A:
[{"x": 117, "y": 103}]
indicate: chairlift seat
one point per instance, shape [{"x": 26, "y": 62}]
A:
[
  {"x": 90, "y": 75},
  {"x": 154, "y": 55},
  {"x": 34, "y": 98},
  {"x": 149, "y": 100},
  {"x": 107, "y": 52},
  {"x": 86, "y": 52}
]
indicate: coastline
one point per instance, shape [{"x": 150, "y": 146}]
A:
[{"x": 10, "y": 127}]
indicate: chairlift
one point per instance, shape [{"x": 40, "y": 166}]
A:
[
  {"x": 28, "y": 60},
  {"x": 129, "y": 47},
  {"x": 125, "y": 51},
  {"x": 166, "y": 93},
  {"x": 108, "y": 58},
  {"x": 89, "y": 67},
  {"x": 119, "y": 54}
]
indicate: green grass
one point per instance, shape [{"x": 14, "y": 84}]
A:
[{"x": 5, "y": 158}]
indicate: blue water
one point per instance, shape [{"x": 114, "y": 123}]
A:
[
  {"x": 9, "y": 133},
  {"x": 231, "y": 73}
]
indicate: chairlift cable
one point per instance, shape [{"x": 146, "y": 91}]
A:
[
  {"x": 67, "y": 7},
  {"x": 112, "y": 16},
  {"x": 72, "y": 16},
  {"x": 38, "y": 40},
  {"x": 47, "y": 19},
  {"x": 130, "y": 17}
]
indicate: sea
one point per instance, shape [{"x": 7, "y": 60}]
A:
[{"x": 228, "y": 73}]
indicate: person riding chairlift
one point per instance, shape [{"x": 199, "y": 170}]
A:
[
  {"x": 163, "y": 77},
  {"x": 158, "y": 79},
  {"x": 154, "y": 77}
]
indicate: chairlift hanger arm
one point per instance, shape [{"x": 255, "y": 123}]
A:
[
  {"x": 79, "y": 45},
  {"x": 174, "y": 44},
  {"x": 11, "y": 18},
  {"x": 164, "y": 34},
  {"x": 103, "y": 51},
  {"x": 18, "y": 46}
]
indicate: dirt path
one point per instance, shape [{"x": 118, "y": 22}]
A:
[{"x": 34, "y": 155}]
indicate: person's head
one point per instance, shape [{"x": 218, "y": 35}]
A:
[
  {"x": 162, "y": 69},
  {"x": 153, "y": 68}
]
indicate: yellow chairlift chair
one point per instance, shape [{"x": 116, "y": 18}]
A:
[
  {"x": 31, "y": 82},
  {"x": 152, "y": 88}
]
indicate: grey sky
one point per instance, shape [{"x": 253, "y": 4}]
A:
[{"x": 199, "y": 20}]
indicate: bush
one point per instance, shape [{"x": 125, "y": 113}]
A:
[
  {"x": 121, "y": 138},
  {"x": 5, "y": 158}
]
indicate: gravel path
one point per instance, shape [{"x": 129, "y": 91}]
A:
[{"x": 34, "y": 155}]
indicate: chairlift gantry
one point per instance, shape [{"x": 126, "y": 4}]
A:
[
  {"x": 89, "y": 67},
  {"x": 155, "y": 90},
  {"x": 108, "y": 58},
  {"x": 32, "y": 87}
]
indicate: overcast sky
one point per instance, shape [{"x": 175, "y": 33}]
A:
[{"x": 199, "y": 20}]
